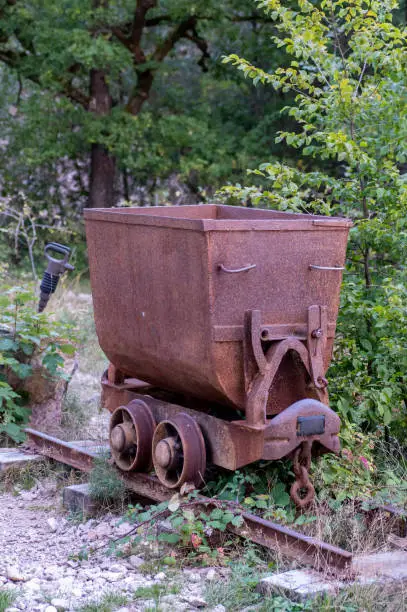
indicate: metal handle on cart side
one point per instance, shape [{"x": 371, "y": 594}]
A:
[
  {"x": 233, "y": 271},
  {"x": 312, "y": 267}
]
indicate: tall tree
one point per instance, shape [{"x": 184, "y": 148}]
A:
[
  {"x": 347, "y": 66},
  {"x": 95, "y": 63}
]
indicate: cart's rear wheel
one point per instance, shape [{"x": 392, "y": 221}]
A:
[
  {"x": 131, "y": 433},
  {"x": 179, "y": 453}
]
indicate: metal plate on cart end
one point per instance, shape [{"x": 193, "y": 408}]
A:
[{"x": 311, "y": 425}]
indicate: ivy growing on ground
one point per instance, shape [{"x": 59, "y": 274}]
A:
[
  {"x": 194, "y": 528},
  {"x": 347, "y": 67},
  {"x": 26, "y": 337}
]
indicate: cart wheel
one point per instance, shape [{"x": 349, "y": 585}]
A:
[
  {"x": 131, "y": 432},
  {"x": 179, "y": 453}
]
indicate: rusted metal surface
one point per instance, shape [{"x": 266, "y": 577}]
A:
[
  {"x": 289, "y": 429},
  {"x": 179, "y": 453},
  {"x": 293, "y": 431},
  {"x": 302, "y": 491},
  {"x": 64, "y": 452},
  {"x": 131, "y": 433},
  {"x": 178, "y": 306},
  {"x": 286, "y": 541},
  {"x": 230, "y": 445},
  {"x": 185, "y": 277},
  {"x": 293, "y": 544}
]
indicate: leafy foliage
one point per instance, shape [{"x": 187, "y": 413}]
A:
[
  {"x": 198, "y": 121},
  {"x": 194, "y": 528},
  {"x": 353, "y": 474},
  {"x": 347, "y": 69},
  {"x": 26, "y": 337}
]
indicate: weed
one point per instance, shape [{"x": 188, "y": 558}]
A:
[
  {"x": 197, "y": 531},
  {"x": 278, "y": 603},
  {"x": 76, "y": 517},
  {"x": 74, "y": 415},
  {"x": 105, "y": 485},
  {"x": 7, "y": 598},
  {"x": 236, "y": 593},
  {"x": 26, "y": 477},
  {"x": 150, "y": 567},
  {"x": 150, "y": 592},
  {"x": 82, "y": 555},
  {"x": 107, "y": 603},
  {"x": 155, "y": 592}
]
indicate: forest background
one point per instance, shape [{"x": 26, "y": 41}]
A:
[{"x": 104, "y": 102}]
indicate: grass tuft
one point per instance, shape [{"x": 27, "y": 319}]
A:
[
  {"x": 107, "y": 603},
  {"x": 7, "y": 598},
  {"x": 105, "y": 485}
]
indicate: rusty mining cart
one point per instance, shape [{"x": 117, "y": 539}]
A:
[{"x": 218, "y": 323}]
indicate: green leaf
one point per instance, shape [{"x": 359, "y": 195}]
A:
[
  {"x": 170, "y": 538},
  {"x": 67, "y": 349},
  {"x": 7, "y": 344}
]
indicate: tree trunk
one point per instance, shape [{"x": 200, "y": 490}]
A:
[
  {"x": 102, "y": 175},
  {"x": 103, "y": 164}
]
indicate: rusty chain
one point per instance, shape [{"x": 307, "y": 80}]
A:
[{"x": 301, "y": 467}]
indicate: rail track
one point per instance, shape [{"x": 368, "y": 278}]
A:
[{"x": 288, "y": 542}]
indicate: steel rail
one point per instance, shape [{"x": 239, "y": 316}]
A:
[{"x": 290, "y": 543}]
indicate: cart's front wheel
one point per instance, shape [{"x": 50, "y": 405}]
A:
[
  {"x": 131, "y": 433},
  {"x": 179, "y": 453}
]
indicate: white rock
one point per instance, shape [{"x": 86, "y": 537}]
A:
[
  {"x": 91, "y": 573},
  {"x": 123, "y": 528},
  {"x": 134, "y": 581},
  {"x": 160, "y": 576},
  {"x": 33, "y": 585},
  {"x": 218, "y": 608},
  {"x": 73, "y": 564},
  {"x": 65, "y": 584},
  {"x": 60, "y": 604},
  {"x": 112, "y": 576},
  {"x": 77, "y": 592},
  {"x": 116, "y": 567},
  {"x": 14, "y": 574},
  {"x": 135, "y": 561},
  {"x": 52, "y": 524},
  {"x": 53, "y": 571},
  {"x": 193, "y": 576},
  {"x": 211, "y": 575},
  {"x": 50, "y": 609},
  {"x": 103, "y": 530}
]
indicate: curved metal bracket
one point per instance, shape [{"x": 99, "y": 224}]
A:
[{"x": 256, "y": 401}]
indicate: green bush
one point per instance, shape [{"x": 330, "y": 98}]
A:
[
  {"x": 26, "y": 338},
  {"x": 346, "y": 66}
]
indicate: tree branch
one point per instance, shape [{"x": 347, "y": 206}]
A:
[
  {"x": 143, "y": 6},
  {"x": 168, "y": 44},
  {"x": 202, "y": 45}
]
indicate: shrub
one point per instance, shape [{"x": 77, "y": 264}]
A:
[
  {"x": 346, "y": 66},
  {"x": 29, "y": 341}
]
